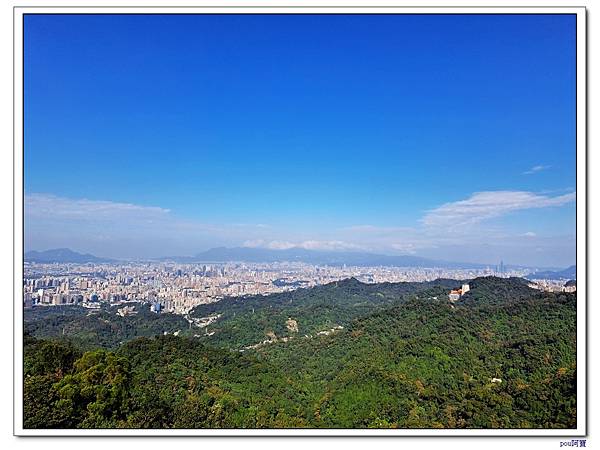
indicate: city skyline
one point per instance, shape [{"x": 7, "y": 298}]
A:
[{"x": 387, "y": 134}]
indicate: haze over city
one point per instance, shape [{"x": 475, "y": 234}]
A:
[{"x": 149, "y": 136}]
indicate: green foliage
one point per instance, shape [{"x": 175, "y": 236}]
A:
[
  {"x": 248, "y": 320},
  {"x": 90, "y": 329},
  {"x": 406, "y": 358},
  {"x": 498, "y": 290},
  {"x": 39, "y": 403},
  {"x": 48, "y": 357},
  {"x": 95, "y": 395}
]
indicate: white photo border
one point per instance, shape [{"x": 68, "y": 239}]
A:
[{"x": 581, "y": 218}]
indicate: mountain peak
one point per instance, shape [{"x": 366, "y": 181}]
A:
[{"x": 62, "y": 255}]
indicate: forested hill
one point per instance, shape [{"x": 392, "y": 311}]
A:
[
  {"x": 417, "y": 363},
  {"x": 240, "y": 322},
  {"x": 243, "y": 321},
  {"x": 246, "y": 321},
  {"x": 498, "y": 290},
  {"x": 89, "y": 329}
]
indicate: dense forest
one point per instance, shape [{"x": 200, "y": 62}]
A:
[
  {"x": 343, "y": 355},
  {"x": 92, "y": 328}
]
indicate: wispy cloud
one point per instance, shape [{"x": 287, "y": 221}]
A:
[
  {"x": 334, "y": 245},
  {"x": 47, "y": 205},
  {"x": 273, "y": 245},
  {"x": 486, "y": 205},
  {"x": 122, "y": 229},
  {"x": 453, "y": 226},
  {"x": 459, "y": 230},
  {"x": 536, "y": 169}
]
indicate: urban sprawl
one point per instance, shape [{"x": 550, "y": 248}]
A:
[{"x": 177, "y": 288}]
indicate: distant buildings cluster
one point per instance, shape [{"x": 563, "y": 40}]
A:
[
  {"x": 554, "y": 285},
  {"x": 177, "y": 288}
]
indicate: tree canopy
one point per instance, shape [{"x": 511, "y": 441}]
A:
[{"x": 380, "y": 356}]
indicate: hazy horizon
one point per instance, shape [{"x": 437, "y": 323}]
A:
[
  {"x": 445, "y": 137},
  {"x": 199, "y": 252}
]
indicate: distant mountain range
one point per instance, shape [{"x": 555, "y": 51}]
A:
[
  {"x": 570, "y": 273},
  {"x": 296, "y": 254},
  {"x": 63, "y": 255}
]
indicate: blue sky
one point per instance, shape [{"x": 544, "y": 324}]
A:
[{"x": 430, "y": 135}]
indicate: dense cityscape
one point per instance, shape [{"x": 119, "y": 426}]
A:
[{"x": 177, "y": 288}]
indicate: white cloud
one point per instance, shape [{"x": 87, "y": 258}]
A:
[
  {"x": 486, "y": 205},
  {"x": 307, "y": 245},
  {"x": 253, "y": 243},
  {"x": 453, "y": 231},
  {"x": 273, "y": 245},
  {"x": 47, "y": 205},
  {"x": 279, "y": 245},
  {"x": 536, "y": 169},
  {"x": 407, "y": 248},
  {"x": 330, "y": 245},
  {"x": 120, "y": 229}
]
